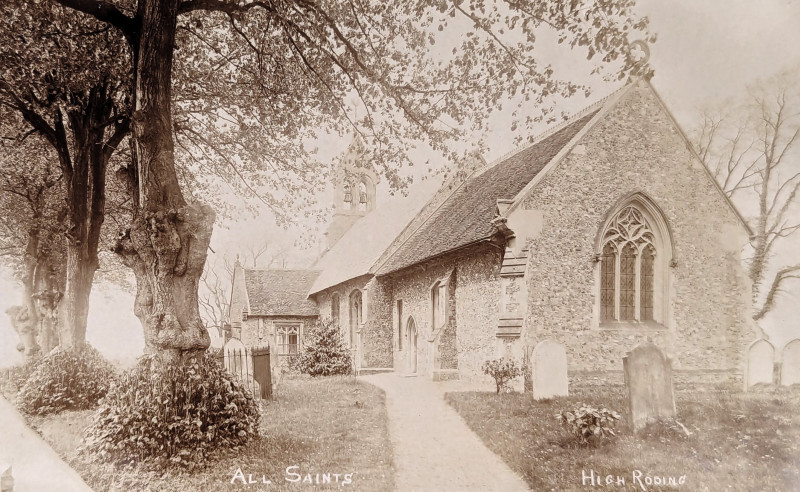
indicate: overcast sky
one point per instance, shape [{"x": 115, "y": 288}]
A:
[{"x": 707, "y": 51}]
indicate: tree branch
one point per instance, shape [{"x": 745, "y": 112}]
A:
[
  {"x": 105, "y": 12},
  {"x": 221, "y": 6},
  {"x": 782, "y": 275}
]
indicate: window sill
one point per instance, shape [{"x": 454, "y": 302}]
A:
[{"x": 634, "y": 326}]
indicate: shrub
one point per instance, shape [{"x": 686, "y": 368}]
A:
[
  {"x": 324, "y": 352},
  {"x": 73, "y": 379},
  {"x": 14, "y": 377},
  {"x": 503, "y": 371},
  {"x": 162, "y": 416},
  {"x": 588, "y": 424}
]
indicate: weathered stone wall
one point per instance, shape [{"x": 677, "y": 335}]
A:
[
  {"x": 376, "y": 332},
  {"x": 475, "y": 295},
  {"x": 448, "y": 350},
  {"x": 259, "y": 331},
  {"x": 344, "y": 290},
  {"x": 635, "y": 148}
]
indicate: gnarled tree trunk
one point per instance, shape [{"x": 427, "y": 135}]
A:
[{"x": 167, "y": 242}]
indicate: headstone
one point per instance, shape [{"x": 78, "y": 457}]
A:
[
  {"x": 648, "y": 376},
  {"x": 760, "y": 363},
  {"x": 790, "y": 370},
  {"x": 549, "y": 370},
  {"x": 6, "y": 478}
]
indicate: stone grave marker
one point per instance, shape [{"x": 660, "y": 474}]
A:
[
  {"x": 760, "y": 363},
  {"x": 648, "y": 376},
  {"x": 549, "y": 370},
  {"x": 790, "y": 369}
]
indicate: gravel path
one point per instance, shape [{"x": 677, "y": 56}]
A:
[{"x": 434, "y": 450}]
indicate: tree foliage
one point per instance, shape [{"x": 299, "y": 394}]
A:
[
  {"x": 58, "y": 75},
  {"x": 753, "y": 151},
  {"x": 30, "y": 233},
  {"x": 324, "y": 351},
  {"x": 291, "y": 65}
]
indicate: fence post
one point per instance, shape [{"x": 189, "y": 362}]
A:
[{"x": 262, "y": 372}]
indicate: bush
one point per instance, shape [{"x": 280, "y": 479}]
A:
[
  {"x": 15, "y": 377},
  {"x": 503, "y": 371},
  {"x": 588, "y": 424},
  {"x": 74, "y": 379},
  {"x": 176, "y": 415},
  {"x": 324, "y": 352}
]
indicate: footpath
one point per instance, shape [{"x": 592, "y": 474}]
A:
[
  {"x": 434, "y": 450},
  {"x": 34, "y": 465}
]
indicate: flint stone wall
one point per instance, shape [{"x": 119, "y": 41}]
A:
[
  {"x": 469, "y": 338},
  {"x": 635, "y": 148}
]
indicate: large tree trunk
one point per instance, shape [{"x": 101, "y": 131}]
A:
[
  {"x": 86, "y": 181},
  {"x": 25, "y": 320},
  {"x": 167, "y": 242},
  {"x": 36, "y": 320},
  {"x": 75, "y": 306}
]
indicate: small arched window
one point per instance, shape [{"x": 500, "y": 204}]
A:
[
  {"x": 348, "y": 196},
  {"x": 362, "y": 196},
  {"x": 635, "y": 246}
]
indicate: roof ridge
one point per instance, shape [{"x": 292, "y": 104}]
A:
[
  {"x": 556, "y": 128},
  {"x": 378, "y": 266}
]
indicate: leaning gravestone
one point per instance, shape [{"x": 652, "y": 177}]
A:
[
  {"x": 760, "y": 363},
  {"x": 648, "y": 376},
  {"x": 549, "y": 370},
  {"x": 790, "y": 370}
]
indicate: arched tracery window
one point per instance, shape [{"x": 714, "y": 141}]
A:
[{"x": 632, "y": 250}]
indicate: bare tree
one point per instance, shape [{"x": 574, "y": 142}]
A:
[
  {"x": 214, "y": 296},
  {"x": 215, "y": 283},
  {"x": 753, "y": 153}
]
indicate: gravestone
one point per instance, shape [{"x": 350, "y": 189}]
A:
[
  {"x": 6, "y": 478},
  {"x": 648, "y": 377},
  {"x": 760, "y": 363},
  {"x": 790, "y": 370},
  {"x": 549, "y": 370}
]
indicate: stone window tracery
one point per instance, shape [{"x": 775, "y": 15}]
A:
[
  {"x": 627, "y": 272},
  {"x": 288, "y": 339}
]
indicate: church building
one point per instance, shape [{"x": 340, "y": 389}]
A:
[{"x": 605, "y": 231}]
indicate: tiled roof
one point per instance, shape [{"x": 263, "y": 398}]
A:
[
  {"x": 280, "y": 292},
  {"x": 360, "y": 247},
  {"x": 465, "y": 217}
]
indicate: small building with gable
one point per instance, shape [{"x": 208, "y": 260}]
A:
[{"x": 270, "y": 307}]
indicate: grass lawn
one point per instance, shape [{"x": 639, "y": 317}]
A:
[
  {"x": 737, "y": 442},
  {"x": 320, "y": 426}
]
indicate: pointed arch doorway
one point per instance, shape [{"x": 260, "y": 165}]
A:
[{"x": 411, "y": 339}]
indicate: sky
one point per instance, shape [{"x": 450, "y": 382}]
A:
[{"x": 707, "y": 52}]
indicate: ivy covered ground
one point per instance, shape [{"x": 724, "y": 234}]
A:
[
  {"x": 719, "y": 441},
  {"x": 314, "y": 430}
]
